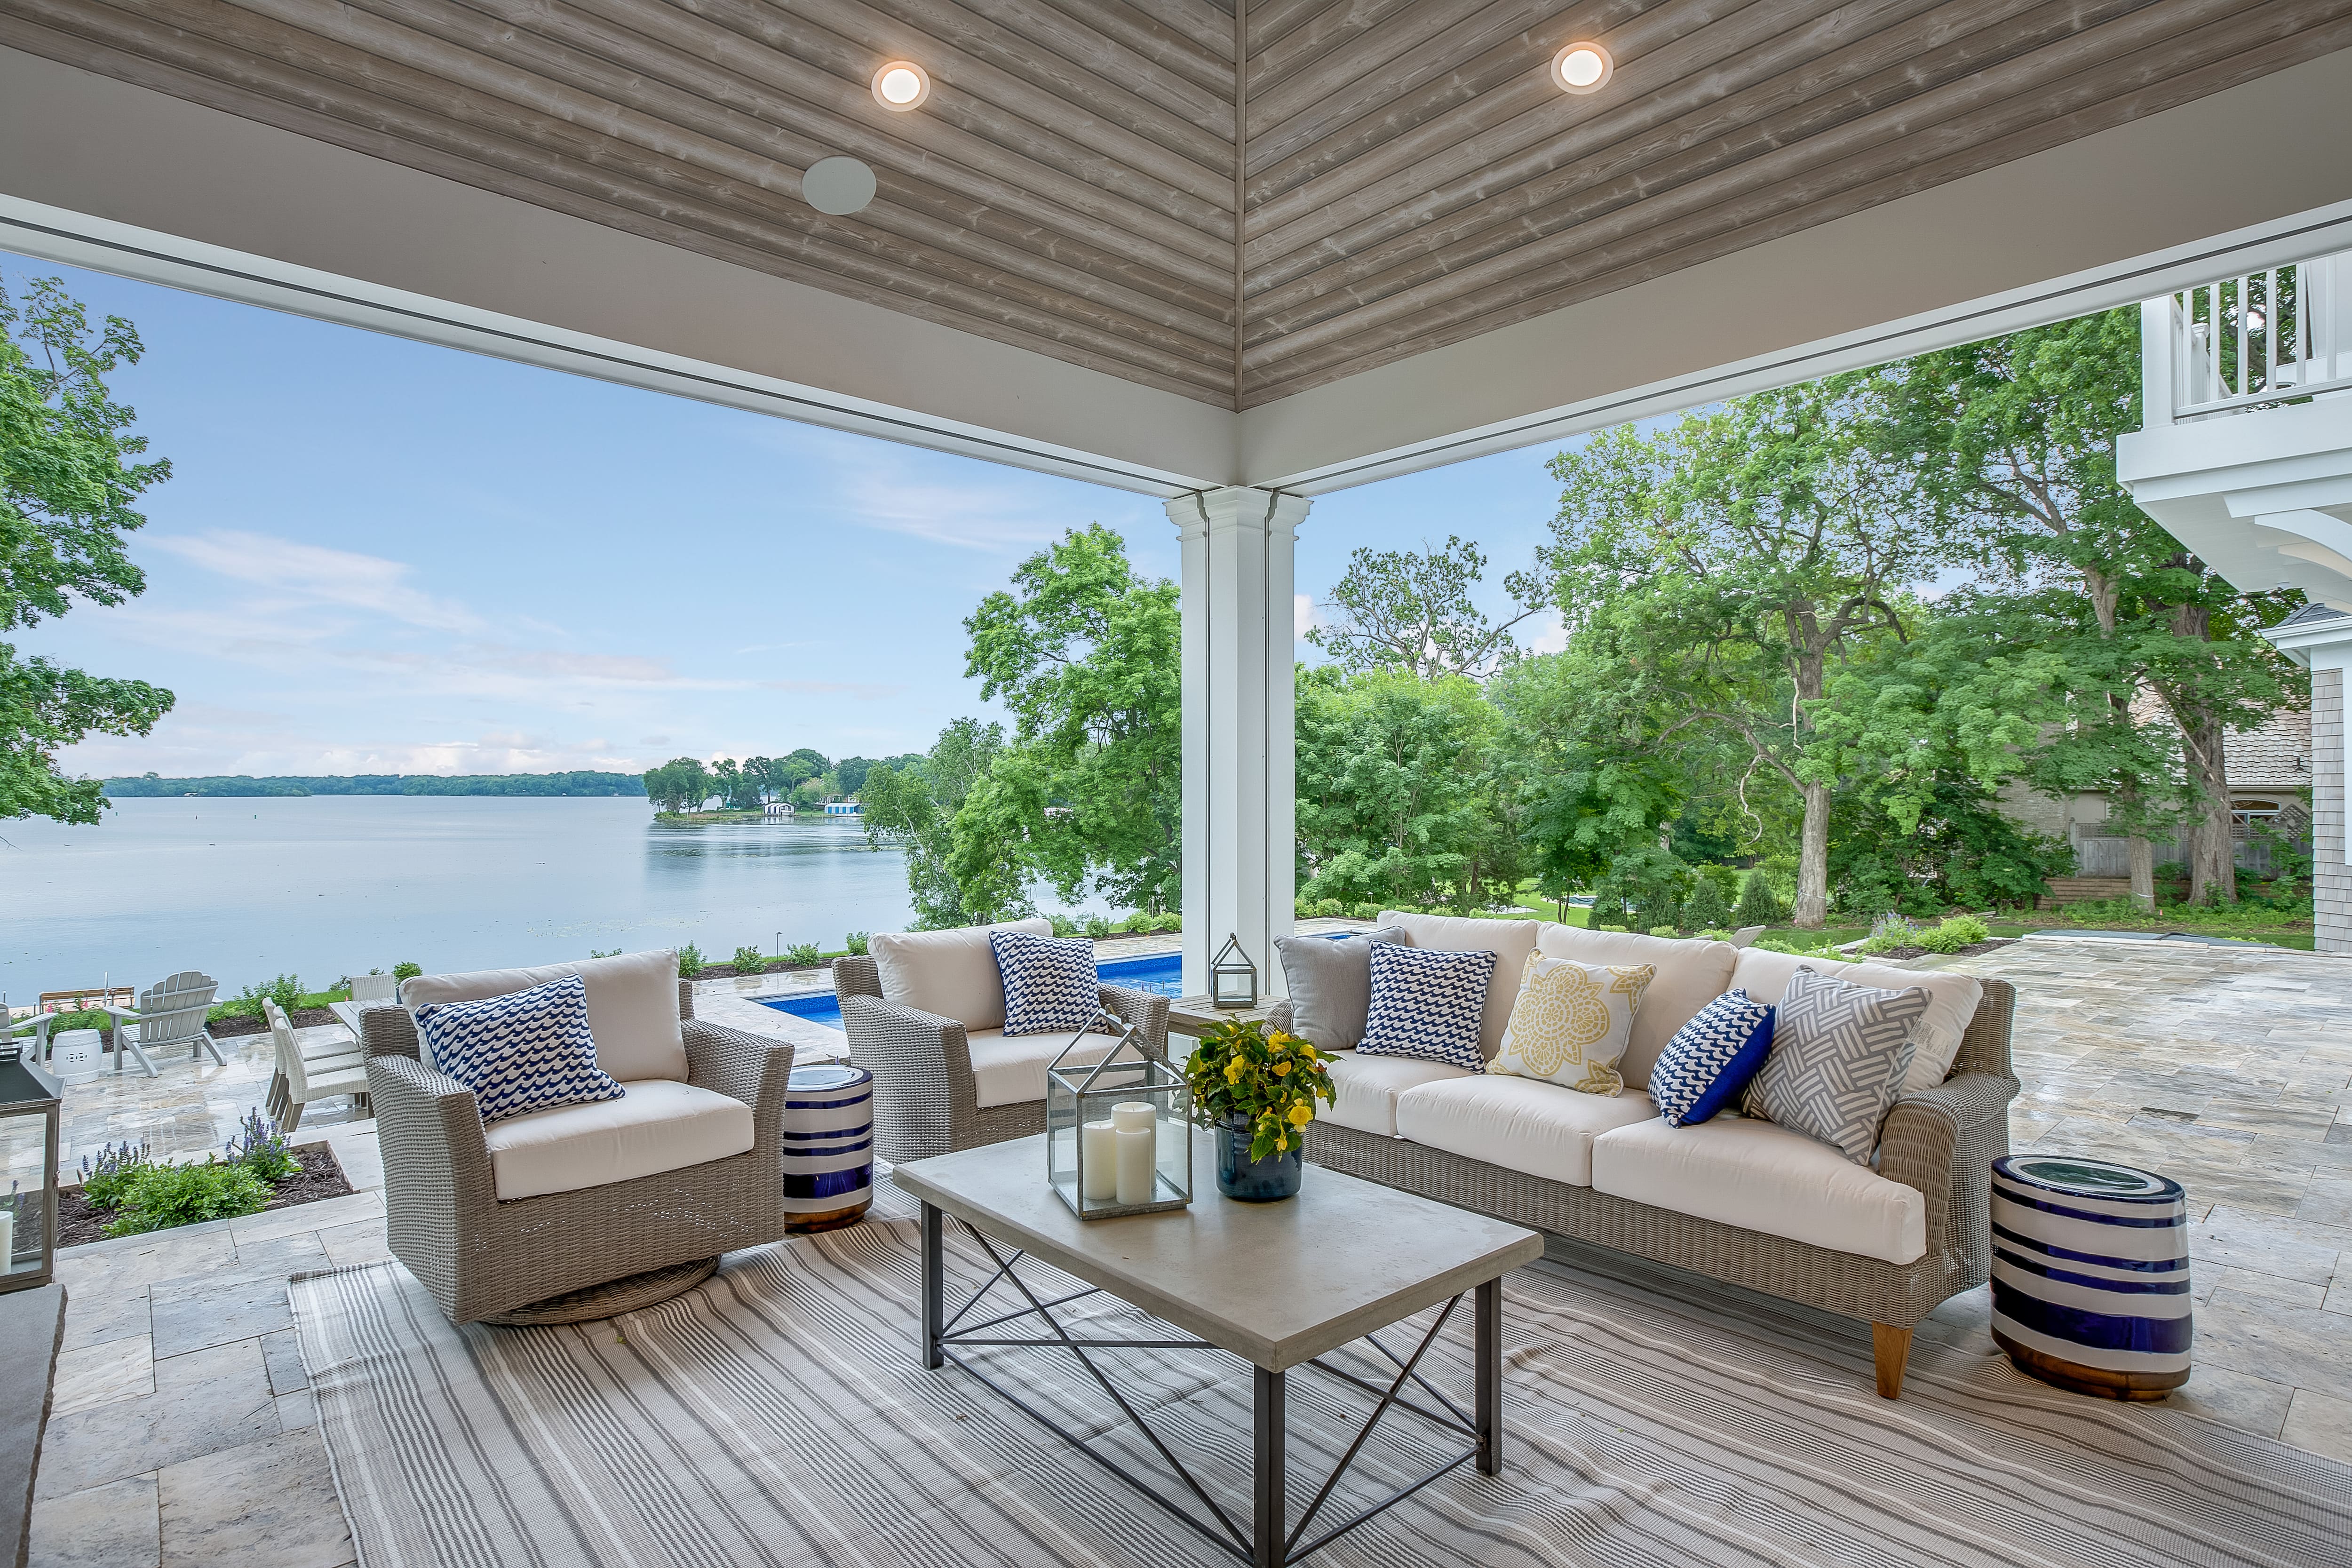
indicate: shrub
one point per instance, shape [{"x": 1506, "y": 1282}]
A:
[
  {"x": 1757, "y": 906},
  {"x": 603, "y": 952},
  {"x": 1664, "y": 930},
  {"x": 750, "y": 960},
  {"x": 855, "y": 942},
  {"x": 105, "y": 1174},
  {"x": 1098, "y": 926},
  {"x": 1330, "y": 909},
  {"x": 260, "y": 1148},
  {"x": 404, "y": 970},
  {"x": 1706, "y": 905},
  {"x": 1064, "y": 925},
  {"x": 1959, "y": 931},
  {"x": 804, "y": 956},
  {"x": 1612, "y": 927},
  {"x": 1715, "y": 934},
  {"x": 163, "y": 1196},
  {"x": 690, "y": 961}
]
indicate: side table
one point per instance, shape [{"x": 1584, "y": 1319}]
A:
[
  {"x": 2090, "y": 1274},
  {"x": 828, "y": 1146}
]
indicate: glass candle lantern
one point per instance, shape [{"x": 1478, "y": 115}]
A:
[
  {"x": 1233, "y": 978},
  {"x": 29, "y": 1172},
  {"x": 1118, "y": 1132}
]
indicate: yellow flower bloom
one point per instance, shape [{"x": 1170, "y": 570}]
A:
[
  {"x": 1233, "y": 1070},
  {"x": 1302, "y": 1113},
  {"x": 1307, "y": 1049},
  {"x": 1281, "y": 1070}
]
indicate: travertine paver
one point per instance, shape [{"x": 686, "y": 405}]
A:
[{"x": 2227, "y": 1069}]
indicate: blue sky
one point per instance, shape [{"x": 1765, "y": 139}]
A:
[{"x": 380, "y": 556}]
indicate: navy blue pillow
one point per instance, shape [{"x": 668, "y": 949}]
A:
[
  {"x": 1050, "y": 985},
  {"x": 1707, "y": 1063},
  {"x": 527, "y": 1050}
]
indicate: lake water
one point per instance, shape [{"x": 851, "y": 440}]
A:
[{"x": 324, "y": 886}]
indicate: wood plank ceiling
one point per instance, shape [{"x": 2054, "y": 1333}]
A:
[{"x": 1412, "y": 176}]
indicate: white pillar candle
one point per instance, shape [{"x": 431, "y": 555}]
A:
[
  {"x": 1131, "y": 1115},
  {"x": 1099, "y": 1157},
  {"x": 1138, "y": 1150}
]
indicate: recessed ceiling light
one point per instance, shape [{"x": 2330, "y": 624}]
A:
[
  {"x": 1582, "y": 67},
  {"x": 838, "y": 186},
  {"x": 901, "y": 85}
]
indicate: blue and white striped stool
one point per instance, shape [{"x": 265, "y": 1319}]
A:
[
  {"x": 828, "y": 1146},
  {"x": 2090, "y": 1274}
]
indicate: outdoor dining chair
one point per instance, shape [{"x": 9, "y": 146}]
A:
[
  {"x": 301, "y": 1080},
  {"x": 170, "y": 1013}
]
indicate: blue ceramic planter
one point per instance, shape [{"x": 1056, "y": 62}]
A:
[{"x": 1254, "y": 1181}]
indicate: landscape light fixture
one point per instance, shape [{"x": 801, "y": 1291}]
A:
[
  {"x": 1582, "y": 67},
  {"x": 901, "y": 85}
]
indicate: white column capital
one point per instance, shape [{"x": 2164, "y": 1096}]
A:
[{"x": 1277, "y": 512}]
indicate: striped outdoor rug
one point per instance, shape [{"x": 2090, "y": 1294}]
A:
[{"x": 777, "y": 1416}]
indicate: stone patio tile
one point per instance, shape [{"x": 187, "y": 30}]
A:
[
  {"x": 199, "y": 1314},
  {"x": 2300, "y": 1347},
  {"x": 281, "y": 1357},
  {"x": 101, "y": 1375},
  {"x": 204, "y": 1402},
  {"x": 2272, "y": 1119},
  {"x": 298, "y": 1410},
  {"x": 2263, "y": 1244},
  {"x": 302, "y": 1219},
  {"x": 2204, "y": 1281},
  {"x": 2320, "y": 1423},
  {"x": 113, "y": 1526},
  {"x": 2234, "y": 1399},
  {"x": 138, "y": 1261},
  {"x": 348, "y": 1245},
  {"x": 96, "y": 1316},
  {"x": 2328, "y": 1201},
  {"x": 267, "y": 1504}
]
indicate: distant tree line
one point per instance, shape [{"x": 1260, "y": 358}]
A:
[
  {"x": 577, "y": 782},
  {"x": 806, "y": 778}
]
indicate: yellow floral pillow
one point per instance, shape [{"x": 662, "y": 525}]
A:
[{"x": 1571, "y": 1021}]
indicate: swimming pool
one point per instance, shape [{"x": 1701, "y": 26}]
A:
[{"x": 1161, "y": 973}]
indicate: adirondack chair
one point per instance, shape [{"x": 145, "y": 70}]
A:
[
  {"x": 299, "y": 1081},
  {"x": 320, "y": 1058},
  {"x": 170, "y": 1013},
  {"x": 374, "y": 987}
]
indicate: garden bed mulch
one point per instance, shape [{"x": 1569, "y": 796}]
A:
[
  {"x": 1898, "y": 954},
  {"x": 322, "y": 1177}
]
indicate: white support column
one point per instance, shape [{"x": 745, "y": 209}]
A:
[{"x": 1240, "y": 781}]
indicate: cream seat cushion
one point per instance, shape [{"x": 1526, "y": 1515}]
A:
[
  {"x": 632, "y": 1006},
  {"x": 1522, "y": 1124},
  {"x": 1691, "y": 974},
  {"x": 1512, "y": 942},
  {"x": 1759, "y": 1176},
  {"x": 950, "y": 972},
  {"x": 1010, "y": 1069},
  {"x": 1935, "y": 1039},
  {"x": 659, "y": 1125},
  {"x": 1369, "y": 1086}
]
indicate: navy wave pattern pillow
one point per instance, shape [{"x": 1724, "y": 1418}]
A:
[
  {"x": 1426, "y": 1004},
  {"x": 527, "y": 1050},
  {"x": 1711, "y": 1060},
  {"x": 1049, "y": 981}
]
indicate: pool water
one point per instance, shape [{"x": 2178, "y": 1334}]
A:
[{"x": 1161, "y": 973}]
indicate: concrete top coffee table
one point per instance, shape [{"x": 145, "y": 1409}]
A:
[{"x": 1277, "y": 1285}]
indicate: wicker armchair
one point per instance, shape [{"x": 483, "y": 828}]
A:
[
  {"x": 926, "y": 1095},
  {"x": 481, "y": 1258}
]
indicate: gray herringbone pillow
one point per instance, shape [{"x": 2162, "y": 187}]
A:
[{"x": 1839, "y": 1054}]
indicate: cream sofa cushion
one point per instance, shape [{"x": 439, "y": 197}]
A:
[
  {"x": 1935, "y": 1039},
  {"x": 1691, "y": 974},
  {"x": 659, "y": 1125},
  {"x": 632, "y": 1006},
  {"x": 950, "y": 972},
  {"x": 1522, "y": 1124},
  {"x": 1010, "y": 1069},
  {"x": 1512, "y": 942},
  {"x": 1368, "y": 1088},
  {"x": 1758, "y": 1177}
]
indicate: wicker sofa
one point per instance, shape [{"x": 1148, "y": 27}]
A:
[
  {"x": 925, "y": 1015},
  {"x": 684, "y": 1167},
  {"x": 1736, "y": 1199}
]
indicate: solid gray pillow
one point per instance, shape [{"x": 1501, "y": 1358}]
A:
[{"x": 1330, "y": 984}]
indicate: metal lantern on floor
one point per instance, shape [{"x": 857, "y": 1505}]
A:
[
  {"x": 1233, "y": 978},
  {"x": 29, "y": 1163},
  {"x": 1118, "y": 1132}
]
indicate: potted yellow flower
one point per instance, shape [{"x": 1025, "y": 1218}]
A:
[{"x": 1256, "y": 1088}]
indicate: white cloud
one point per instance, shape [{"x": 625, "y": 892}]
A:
[
  {"x": 312, "y": 573},
  {"x": 1302, "y": 614},
  {"x": 1553, "y": 638}
]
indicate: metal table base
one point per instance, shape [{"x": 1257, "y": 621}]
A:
[{"x": 1271, "y": 1538}]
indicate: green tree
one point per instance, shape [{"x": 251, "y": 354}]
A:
[
  {"x": 849, "y": 774},
  {"x": 1086, "y": 655},
  {"x": 2013, "y": 440},
  {"x": 1737, "y": 559},
  {"x": 69, "y": 479},
  {"x": 1398, "y": 609},
  {"x": 914, "y": 802}
]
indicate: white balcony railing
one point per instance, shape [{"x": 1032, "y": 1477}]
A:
[{"x": 2246, "y": 342}]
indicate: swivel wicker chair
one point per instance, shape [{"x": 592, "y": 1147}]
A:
[{"x": 531, "y": 1219}]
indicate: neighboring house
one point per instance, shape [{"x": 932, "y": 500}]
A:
[{"x": 2245, "y": 457}]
